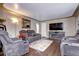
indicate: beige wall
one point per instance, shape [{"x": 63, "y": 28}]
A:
[
  {"x": 14, "y": 28},
  {"x": 69, "y": 26},
  {"x": 33, "y": 24},
  {"x": 77, "y": 22}
]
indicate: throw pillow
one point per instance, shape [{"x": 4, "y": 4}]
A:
[{"x": 22, "y": 35}]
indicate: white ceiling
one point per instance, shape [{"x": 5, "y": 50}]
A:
[{"x": 44, "y": 11}]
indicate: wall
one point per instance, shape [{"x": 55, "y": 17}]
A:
[
  {"x": 77, "y": 22},
  {"x": 14, "y": 28},
  {"x": 1, "y": 14},
  {"x": 69, "y": 26},
  {"x": 77, "y": 18},
  {"x": 33, "y": 24}
]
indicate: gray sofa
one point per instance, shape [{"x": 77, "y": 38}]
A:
[
  {"x": 34, "y": 38},
  {"x": 31, "y": 35}
]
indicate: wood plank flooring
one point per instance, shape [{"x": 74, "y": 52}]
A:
[{"x": 52, "y": 50}]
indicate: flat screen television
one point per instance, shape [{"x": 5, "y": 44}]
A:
[{"x": 56, "y": 26}]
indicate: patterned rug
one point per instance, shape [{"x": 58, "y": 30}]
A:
[{"x": 41, "y": 44}]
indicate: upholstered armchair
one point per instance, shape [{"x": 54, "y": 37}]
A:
[
  {"x": 70, "y": 45},
  {"x": 13, "y": 47}
]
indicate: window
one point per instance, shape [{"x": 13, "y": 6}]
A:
[
  {"x": 37, "y": 27},
  {"x": 43, "y": 29}
]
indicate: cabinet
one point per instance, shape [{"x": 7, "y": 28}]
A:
[{"x": 56, "y": 35}]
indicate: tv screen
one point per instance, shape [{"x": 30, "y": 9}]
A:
[{"x": 56, "y": 26}]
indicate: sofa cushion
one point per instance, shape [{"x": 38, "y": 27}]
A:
[
  {"x": 30, "y": 35},
  {"x": 22, "y": 35}
]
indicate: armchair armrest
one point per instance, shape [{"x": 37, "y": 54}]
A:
[
  {"x": 16, "y": 40},
  {"x": 69, "y": 38},
  {"x": 75, "y": 44},
  {"x": 71, "y": 43},
  {"x": 35, "y": 34}
]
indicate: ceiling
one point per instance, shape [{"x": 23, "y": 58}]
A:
[{"x": 44, "y": 11}]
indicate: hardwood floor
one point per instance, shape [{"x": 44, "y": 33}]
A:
[{"x": 52, "y": 50}]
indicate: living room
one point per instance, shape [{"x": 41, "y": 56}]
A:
[{"x": 24, "y": 20}]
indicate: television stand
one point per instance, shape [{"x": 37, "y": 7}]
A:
[{"x": 56, "y": 35}]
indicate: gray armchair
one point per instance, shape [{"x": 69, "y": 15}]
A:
[
  {"x": 13, "y": 47},
  {"x": 70, "y": 45}
]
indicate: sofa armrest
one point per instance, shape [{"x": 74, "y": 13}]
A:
[{"x": 35, "y": 34}]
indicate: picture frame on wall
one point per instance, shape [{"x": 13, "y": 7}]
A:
[{"x": 26, "y": 23}]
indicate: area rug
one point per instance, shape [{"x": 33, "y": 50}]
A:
[{"x": 41, "y": 44}]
